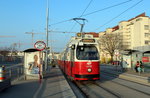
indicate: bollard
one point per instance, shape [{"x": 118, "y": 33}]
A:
[{"x": 2, "y": 74}]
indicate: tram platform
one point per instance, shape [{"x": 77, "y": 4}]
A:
[
  {"x": 128, "y": 74},
  {"x": 54, "y": 85}
]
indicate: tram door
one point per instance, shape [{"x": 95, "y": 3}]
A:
[{"x": 72, "y": 60}]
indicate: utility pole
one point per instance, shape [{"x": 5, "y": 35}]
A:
[
  {"x": 81, "y": 24},
  {"x": 47, "y": 24}
]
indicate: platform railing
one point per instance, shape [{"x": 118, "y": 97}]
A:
[{"x": 14, "y": 72}]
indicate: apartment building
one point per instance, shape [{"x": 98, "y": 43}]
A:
[{"x": 133, "y": 33}]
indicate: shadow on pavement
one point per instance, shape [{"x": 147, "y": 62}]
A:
[{"x": 21, "y": 89}]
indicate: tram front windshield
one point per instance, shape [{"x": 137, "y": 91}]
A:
[{"x": 87, "y": 52}]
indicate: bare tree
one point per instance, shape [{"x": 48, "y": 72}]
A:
[
  {"x": 13, "y": 49},
  {"x": 4, "y": 51},
  {"x": 110, "y": 42}
]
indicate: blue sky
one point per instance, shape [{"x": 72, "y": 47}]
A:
[{"x": 20, "y": 16}]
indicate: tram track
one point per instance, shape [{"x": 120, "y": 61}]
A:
[
  {"x": 108, "y": 88},
  {"x": 128, "y": 86},
  {"x": 93, "y": 89}
]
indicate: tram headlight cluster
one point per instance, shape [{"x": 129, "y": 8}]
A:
[{"x": 89, "y": 70}]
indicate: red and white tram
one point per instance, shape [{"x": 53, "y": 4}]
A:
[{"x": 80, "y": 59}]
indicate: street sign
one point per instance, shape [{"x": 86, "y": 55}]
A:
[{"x": 40, "y": 45}]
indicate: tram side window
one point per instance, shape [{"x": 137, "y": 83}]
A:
[{"x": 87, "y": 53}]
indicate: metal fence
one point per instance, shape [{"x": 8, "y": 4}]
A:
[
  {"x": 10, "y": 59},
  {"x": 14, "y": 72}
]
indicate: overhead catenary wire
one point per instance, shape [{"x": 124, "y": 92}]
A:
[
  {"x": 61, "y": 32},
  {"x": 91, "y": 12},
  {"x": 79, "y": 17},
  {"x": 106, "y": 8},
  {"x": 82, "y": 14},
  {"x": 60, "y": 22},
  {"x": 86, "y": 8},
  {"x": 119, "y": 14}
]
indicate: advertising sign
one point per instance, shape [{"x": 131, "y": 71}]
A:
[
  {"x": 145, "y": 59},
  {"x": 126, "y": 61},
  {"x": 33, "y": 65}
]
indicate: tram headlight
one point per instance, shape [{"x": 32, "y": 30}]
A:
[{"x": 89, "y": 70}]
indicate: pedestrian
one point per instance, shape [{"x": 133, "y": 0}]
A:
[
  {"x": 121, "y": 65},
  {"x": 141, "y": 66},
  {"x": 124, "y": 65},
  {"x": 137, "y": 65}
]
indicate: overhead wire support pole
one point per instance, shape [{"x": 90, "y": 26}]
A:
[{"x": 47, "y": 24}]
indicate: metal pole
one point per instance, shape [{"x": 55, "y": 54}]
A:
[
  {"x": 81, "y": 30},
  {"x": 32, "y": 37},
  {"x": 47, "y": 19}
]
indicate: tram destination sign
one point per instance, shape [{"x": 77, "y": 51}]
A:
[
  {"x": 40, "y": 45},
  {"x": 88, "y": 40}
]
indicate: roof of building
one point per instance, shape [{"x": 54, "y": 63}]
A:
[
  {"x": 115, "y": 28},
  {"x": 30, "y": 50},
  {"x": 141, "y": 15}
]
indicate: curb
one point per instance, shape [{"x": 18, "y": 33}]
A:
[
  {"x": 135, "y": 78},
  {"x": 65, "y": 94},
  {"x": 130, "y": 77}
]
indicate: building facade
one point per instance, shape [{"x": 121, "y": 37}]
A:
[{"x": 133, "y": 33}]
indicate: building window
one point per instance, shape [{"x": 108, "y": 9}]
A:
[
  {"x": 147, "y": 42},
  {"x": 136, "y": 55},
  {"x": 147, "y": 35},
  {"x": 146, "y": 27},
  {"x": 138, "y": 19}
]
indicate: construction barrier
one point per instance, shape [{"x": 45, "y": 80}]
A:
[{"x": 2, "y": 74}]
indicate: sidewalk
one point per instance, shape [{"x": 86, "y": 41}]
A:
[
  {"x": 52, "y": 86},
  {"x": 129, "y": 74}
]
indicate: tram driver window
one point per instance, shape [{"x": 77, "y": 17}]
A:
[{"x": 87, "y": 53}]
